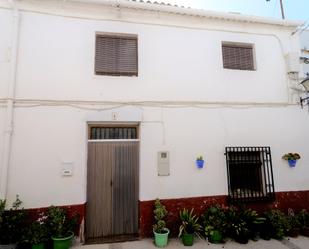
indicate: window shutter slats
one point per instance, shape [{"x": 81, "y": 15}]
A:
[
  {"x": 237, "y": 57},
  {"x": 116, "y": 55}
]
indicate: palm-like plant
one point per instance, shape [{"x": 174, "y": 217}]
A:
[{"x": 189, "y": 223}]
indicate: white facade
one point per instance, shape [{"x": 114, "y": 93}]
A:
[
  {"x": 184, "y": 99},
  {"x": 305, "y": 48}
]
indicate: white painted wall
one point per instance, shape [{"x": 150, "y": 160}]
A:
[
  {"x": 55, "y": 45},
  {"x": 5, "y": 41},
  {"x": 56, "y": 62},
  {"x": 2, "y": 129},
  {"x": 305, "y": 45}
]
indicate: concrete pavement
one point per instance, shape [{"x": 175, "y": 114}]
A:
[{"x": 288, "y": 243}]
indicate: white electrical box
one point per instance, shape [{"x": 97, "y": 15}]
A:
[
  {"x": 67, "y": 168},
  {"x": 163, "y": 163},
  {"x": 293, "y": 62}
]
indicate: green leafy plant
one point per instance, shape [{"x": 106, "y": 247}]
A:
[
  {"x": 199, "y": 158},
  {"x": 293, "y": 221},
  {"x": 253, "y": 222},
  {"x": 237, "y": 224},
  {"x": 214, "y": 221},
  {"x": 2, "y": 208},
  {"x": 189, "y": 223},
  {"x": 303, "y": 218},
  {"x": 59, "y": 223},
  {"x": 291, "y": 156},
  {"x": 37, "y": 231},
  {"x": 160, "y": 213},
  {"x": 11, "y": 222},
  {"x": 278, "y": 222}
]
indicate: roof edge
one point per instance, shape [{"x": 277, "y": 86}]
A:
[{"x": 150, "y": 6}]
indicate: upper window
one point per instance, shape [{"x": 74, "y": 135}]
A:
[
  {"x": 238, "y": 56},
  {"x": 116, "y": 55},
  {"x": 250, "y": 175}
]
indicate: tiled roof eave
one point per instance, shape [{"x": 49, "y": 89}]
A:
[{"x": 180, "y": 10}]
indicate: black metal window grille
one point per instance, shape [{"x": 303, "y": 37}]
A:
[
  {"x": 249, "y": 173},
  {"x": 113, "y": 133}
]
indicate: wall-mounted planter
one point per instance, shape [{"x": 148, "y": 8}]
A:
[
  {"x": 292, "y": 163},
  {"x": 200, "y": 163},
  {"x": 291, "y": 158}
]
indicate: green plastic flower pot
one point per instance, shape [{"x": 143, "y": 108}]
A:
[
  {"x": 187, "y": 239},
  {"x": 63, "y": 243},
  {"x": 216, "y": 237},
  {"x": 38, "y": 246},
  {"x": 161, "y": 238}
]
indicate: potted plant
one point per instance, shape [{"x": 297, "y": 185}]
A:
[
  {"x": 37, "y": 233},
  {"x": 2, "y": 208},
  {"x": 278, "y": 223},
  {"x": 214, "y": 222},
  {"x": 303, "y": 219},
  {"x": 61, "y": 227},
  {"x": 11, "y": 224},
  {"x": 189, "y": 226},
  {"x": 160, "y": 230},
  {"x": 237, "y": 226},
  {"x": 253, "y": 222},
  {"x": 200, "y": 162},
  {"x": 291, "y": 158},
  {"x": 293, "y": 226}
]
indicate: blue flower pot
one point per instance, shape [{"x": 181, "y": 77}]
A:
[
  {"x": 292, "y": 163},
  {"x": 200, "y": 164}
]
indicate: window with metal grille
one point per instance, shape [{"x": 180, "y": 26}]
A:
[
  {"x": 116, "y": 55},
  {"x": 238, "y": 56},
  {"x": 113, "y": 133},
  {"x": 249, "y": 173}
]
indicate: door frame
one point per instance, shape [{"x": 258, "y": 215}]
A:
[{"x": 90, "y": 124}]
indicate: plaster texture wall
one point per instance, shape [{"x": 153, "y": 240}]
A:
[
  {"x": 305, "y": 45},
  {"x": 44, "y": 138},
  {"x": 184, "y": 62},
  {"x": 2, "y": 129},
  {"x": 5, "y": 41},
  {"x": 56, "y": 62}
]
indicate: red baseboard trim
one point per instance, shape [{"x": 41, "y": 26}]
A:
[{"x": 296, "y": 200}]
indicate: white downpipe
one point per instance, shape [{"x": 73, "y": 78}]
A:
[{"x": 4, "y": 173}]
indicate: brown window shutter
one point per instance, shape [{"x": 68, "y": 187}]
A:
[
  {"x": 116, "y": 56},
  {"x": 237, "y": 57}
]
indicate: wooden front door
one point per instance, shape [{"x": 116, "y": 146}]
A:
[{"x": 112, "y": 190}]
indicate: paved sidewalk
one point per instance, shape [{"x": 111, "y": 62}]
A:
[{"x": 288, "y": 243}]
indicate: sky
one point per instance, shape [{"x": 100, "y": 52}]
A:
[{"x": 294, "y": 9}]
